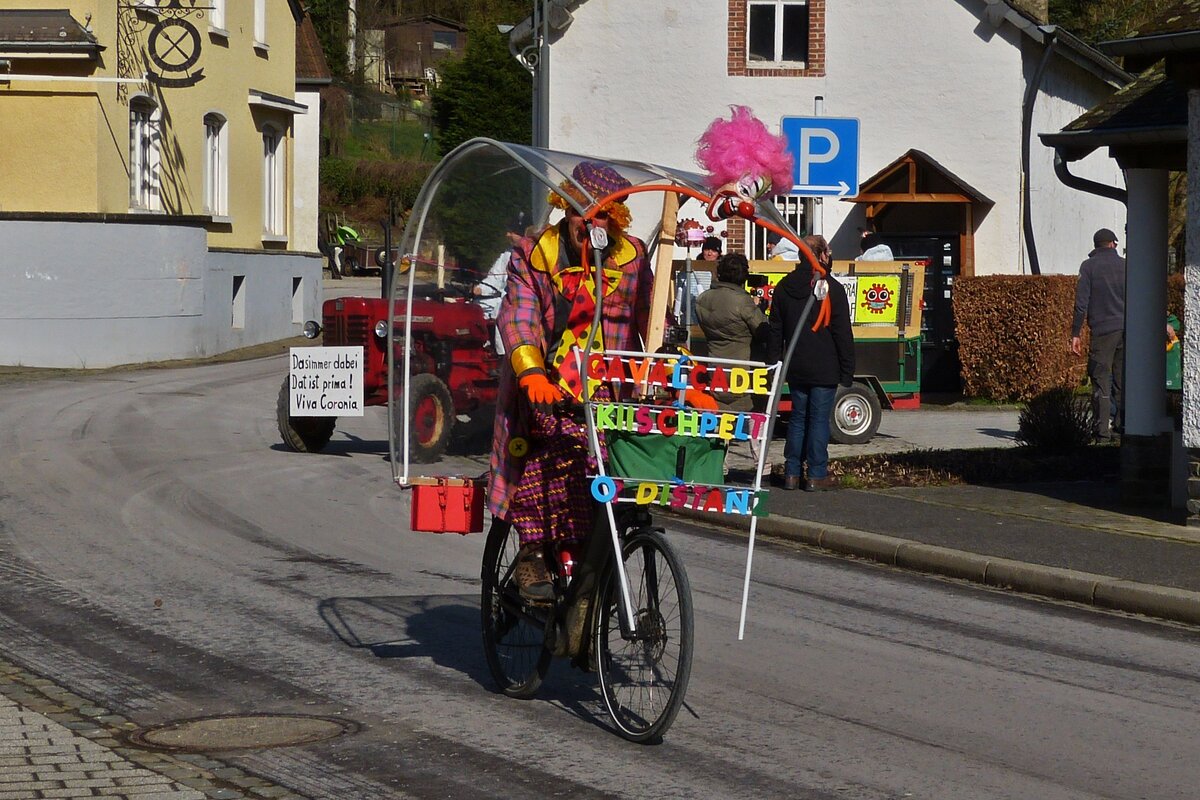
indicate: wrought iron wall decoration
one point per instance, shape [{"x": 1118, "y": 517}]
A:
[{"x": 159, "y": 38}]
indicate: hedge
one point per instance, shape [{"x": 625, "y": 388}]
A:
[{"x": 1013, "y": 333}]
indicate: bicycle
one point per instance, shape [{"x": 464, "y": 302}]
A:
[{"x": 643, "y": 668}]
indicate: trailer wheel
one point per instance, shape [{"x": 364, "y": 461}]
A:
[
  {"x": 302, "y": 434},
  {"x": 432, "y": 418},
  {"x": 856, "y": 414}
]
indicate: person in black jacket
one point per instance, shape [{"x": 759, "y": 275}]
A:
[
  {"x": 823, "y": 360},
  {"x": 1100, "y": 299}
]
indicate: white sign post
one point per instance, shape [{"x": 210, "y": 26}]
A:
[{"x": 325, "y": 382}]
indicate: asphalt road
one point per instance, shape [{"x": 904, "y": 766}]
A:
[{"x": 161, "y": 553}]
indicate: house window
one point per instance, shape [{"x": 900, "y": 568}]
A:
[
  {"x": 145, "y": 135},
  {"x": 444, "y": 40},
  {"x": 216, "y": 166},
  {"x": 797, "y": 212},
  {"x": 216, "y": 14},
  {"x": 274, "y": 183},
  {"x": 777, "y": 38},
  {"x": 260, "y": 21},
  {"x": 778, "y": 31}
]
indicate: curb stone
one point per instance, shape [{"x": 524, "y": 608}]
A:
[{"x": 1059, "y": 583}]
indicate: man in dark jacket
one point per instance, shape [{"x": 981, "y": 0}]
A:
[
  {"x": 823, "y": 360},
  {"x": 1100, "y": 299}
]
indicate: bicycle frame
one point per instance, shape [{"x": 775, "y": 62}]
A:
[{"x": 584, "y": 581}]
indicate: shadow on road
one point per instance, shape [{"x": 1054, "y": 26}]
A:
[
  {"x": 446, "y": 630},
  {"x": 345, "y": 445},
  {"x": 998, "y": 433},
  {"x": 1101, "y": 495}
]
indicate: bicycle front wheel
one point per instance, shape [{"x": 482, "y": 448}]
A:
[
  {"x": 514, "y": 640},
  {"x": 644, "y": 675}
]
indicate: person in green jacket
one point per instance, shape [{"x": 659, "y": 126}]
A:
[{"x": 733, "y": 324}]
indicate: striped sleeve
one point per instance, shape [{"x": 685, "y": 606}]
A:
[{"x": 521, "y": 320}]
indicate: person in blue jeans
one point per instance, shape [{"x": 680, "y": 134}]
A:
[{"x": 823, "y": 360}]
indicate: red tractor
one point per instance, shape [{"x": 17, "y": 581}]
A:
[{"x": 454, "y": 367}]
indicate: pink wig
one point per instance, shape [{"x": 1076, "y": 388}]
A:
[{"x": 732, "y": 149}]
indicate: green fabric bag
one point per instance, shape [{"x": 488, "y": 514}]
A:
[{"x": 654, "y": 457}]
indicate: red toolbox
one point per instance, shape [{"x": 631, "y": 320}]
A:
[{"x": 448, "y": 505}]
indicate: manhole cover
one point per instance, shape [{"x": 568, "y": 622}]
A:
[{"x": 249, "y": 731}]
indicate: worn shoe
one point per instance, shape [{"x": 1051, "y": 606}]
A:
[
  {"x": 533, "y": 579},
  {"x": 791, "y": 483},
  {"x": 821, "y": 484}
]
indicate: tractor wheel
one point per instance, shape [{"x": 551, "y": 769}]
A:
[
  {"x": 432, "y": 418},
  {"x": 856, "y": 415},
  {"x": 302, "y": 434}
]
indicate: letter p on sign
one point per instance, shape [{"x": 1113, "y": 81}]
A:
[{"x": 812, "y": 142}]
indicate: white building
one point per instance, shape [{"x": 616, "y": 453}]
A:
[
  {"x": 963, "y": 83},
  {"x": 948, "y": 78}
]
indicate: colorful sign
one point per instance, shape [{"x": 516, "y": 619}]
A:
[
  {"x": 674, "y": 373},
  {"x": 669, "y": 421},
  {"x": 721, "y": 499},
  {"x": 679, "y": 373}
]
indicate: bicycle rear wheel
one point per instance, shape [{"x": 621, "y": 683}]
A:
[
  {"x": 643, "y": 678},
  {"x": 513, "y": 637}
]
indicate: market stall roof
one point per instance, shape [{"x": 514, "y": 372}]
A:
[{"x": 916, "y": 177}]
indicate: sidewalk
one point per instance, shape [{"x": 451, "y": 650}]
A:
[
  {"x": 54, "y": 743},
  {"x": 1070, "y": 540}
]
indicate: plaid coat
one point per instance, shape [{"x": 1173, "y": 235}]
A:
[{"x": 539, "y": 288}]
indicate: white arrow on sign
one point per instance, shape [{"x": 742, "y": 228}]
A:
[{"x": 841, "y": 189}]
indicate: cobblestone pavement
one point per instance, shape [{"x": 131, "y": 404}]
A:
[{"x": 55, "y": 744}]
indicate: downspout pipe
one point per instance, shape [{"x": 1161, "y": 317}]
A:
[
  {"x": 1031, "y": 93},
  {"x": 1085, "y": 185}
]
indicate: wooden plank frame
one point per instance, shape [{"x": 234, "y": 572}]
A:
[
  {"x": 912, "y": 287},
  {"x": 660, "y": 294}
]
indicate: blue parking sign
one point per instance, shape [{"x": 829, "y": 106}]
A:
[{"x": 825, "y": 150}]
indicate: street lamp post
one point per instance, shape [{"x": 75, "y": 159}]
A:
[
  {"x": 541, "y": 75},
  {"x": 535, "y": 57}
]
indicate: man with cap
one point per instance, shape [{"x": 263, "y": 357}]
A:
[
  {"x": 1100, "y": 299},
  {"x": 539, "y": 458}
]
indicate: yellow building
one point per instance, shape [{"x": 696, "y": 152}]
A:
[{"x": 147, "y": 178}]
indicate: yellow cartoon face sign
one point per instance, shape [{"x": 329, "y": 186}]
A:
[{"x": 875, "y": 298}]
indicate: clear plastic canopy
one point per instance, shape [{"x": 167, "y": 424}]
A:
[
  {"x": 485, "y": 188},
  {"x": 457, "y": 230}
]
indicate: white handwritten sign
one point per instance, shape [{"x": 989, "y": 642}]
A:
[{"x": 325, "y": 382}]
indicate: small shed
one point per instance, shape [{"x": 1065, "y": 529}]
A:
[{"x": 414, "y": 47}]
